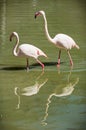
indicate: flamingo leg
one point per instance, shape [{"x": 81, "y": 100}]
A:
[
  {"x": 58, "y": 64},
  {"x": 42, "y": 65},
  {"x": 27, "y": 64},
  {"x": 71, "y": 61}
]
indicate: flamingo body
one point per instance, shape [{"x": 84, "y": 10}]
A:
[
  {"x": 27, "y": 50},
  {"x": 62, "y": 41}
]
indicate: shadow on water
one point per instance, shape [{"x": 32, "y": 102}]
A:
[
  {"x": 47, "y": 63},
  {"x": 14, "y": 68}
]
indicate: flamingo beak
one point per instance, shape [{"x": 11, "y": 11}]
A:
[
  {"x": 36, "y": 14},
  {"x": 11, "y": 37}
]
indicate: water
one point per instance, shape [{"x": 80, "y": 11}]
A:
[{"x": 55, "y": 99}]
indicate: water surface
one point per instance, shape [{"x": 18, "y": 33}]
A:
[{"x": 55, "y": 99}]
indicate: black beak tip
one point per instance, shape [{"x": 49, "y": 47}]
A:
[
  {"x": 35, "y": 16},
  {"x": 10, "y": 39}
]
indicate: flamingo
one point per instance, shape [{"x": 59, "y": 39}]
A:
[
  {"x": 62, "y": 41},
  {"x": 27, "y": 50}
]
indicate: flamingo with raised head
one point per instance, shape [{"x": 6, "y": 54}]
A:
[
  {"x": 62, "y": 41},
  {"x": 27, "y": 50}
]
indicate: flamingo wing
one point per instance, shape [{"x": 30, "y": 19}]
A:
[
  {"x": 30, "y": 51},
  {"x": 64, "y": 41}
]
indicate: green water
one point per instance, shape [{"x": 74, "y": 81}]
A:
[{"x": 55, "y": 99}]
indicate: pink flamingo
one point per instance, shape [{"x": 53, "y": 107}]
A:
[
  {"x": 62, "y": 41},
  {"x": 27, "y": 50}
]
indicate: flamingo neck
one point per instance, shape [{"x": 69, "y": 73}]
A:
[
  {"x": 46, "y": 29},
  {"x": 16, "y": 46}
]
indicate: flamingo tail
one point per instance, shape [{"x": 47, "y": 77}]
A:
[{"x": 77, "y": 46}]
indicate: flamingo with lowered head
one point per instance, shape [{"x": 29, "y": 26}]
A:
[
  {"x": 27, "y": 50},
  {"x": 62, "y": 41}
]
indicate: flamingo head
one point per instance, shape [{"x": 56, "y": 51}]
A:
[
  {"x": 39, "y": 13},
  {"x": 12, "y": 35}
]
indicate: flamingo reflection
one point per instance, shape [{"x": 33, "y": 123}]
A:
[
  {"x": 34, "y": 89},
  {"x": 66, "y": 91},
  {"x": 30, "y": 90}
]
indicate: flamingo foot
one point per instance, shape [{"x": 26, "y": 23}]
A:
[
  {"x": 71, "y": 63},
  {"x": 58, "y": 64},
  {"x": 28, "y": 69},
  {"x": 42, "y": 67}
]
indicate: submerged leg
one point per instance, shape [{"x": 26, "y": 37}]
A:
[
  {"x": 71, "y": 61},
  {"x": 42, "y": 65},
  {"x": 58, "y": 64}
]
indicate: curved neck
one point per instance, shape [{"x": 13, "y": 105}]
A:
[
  {"x": 16, "y": 45},
  {"x": 46, "y": 29}
]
